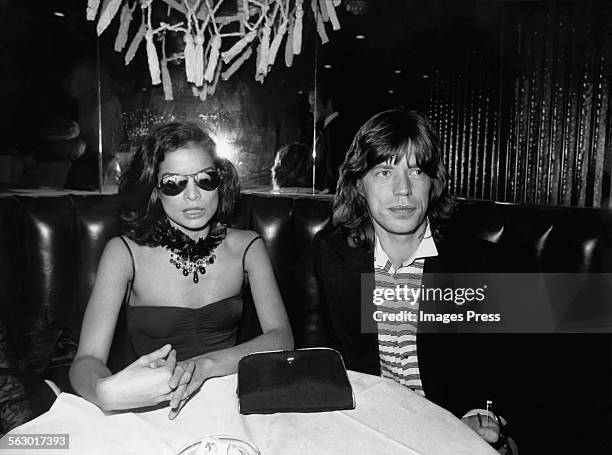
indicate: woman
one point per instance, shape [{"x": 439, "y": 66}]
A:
[{"x": 181, "y": 271}]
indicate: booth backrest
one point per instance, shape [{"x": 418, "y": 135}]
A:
[{"x": 50, "y": 247}]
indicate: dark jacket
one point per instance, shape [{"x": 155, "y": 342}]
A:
[
  {"x": 455, "y": 368},
  {"x": 332, "y": 145},
  {"x": 544, "y": 384}
]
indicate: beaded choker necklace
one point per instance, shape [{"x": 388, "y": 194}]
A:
[{"x": 186, "y": 254}]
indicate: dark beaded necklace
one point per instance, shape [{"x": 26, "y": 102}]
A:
[{"x": 186, "y": 254}]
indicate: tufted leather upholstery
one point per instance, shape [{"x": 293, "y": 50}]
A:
[{"x": 50, "y": 247}]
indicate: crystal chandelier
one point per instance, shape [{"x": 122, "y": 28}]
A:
[{"x": 212, "y": 52}]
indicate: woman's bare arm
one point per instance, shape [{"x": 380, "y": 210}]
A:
[
  {"x": 136, "y": 385},
  {"x": 89, "y": 366}
]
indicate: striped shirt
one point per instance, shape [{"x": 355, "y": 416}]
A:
[{"x": 397, "y": 344}]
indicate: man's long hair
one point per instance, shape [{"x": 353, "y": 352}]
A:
[{"x": 388, "y": 137}]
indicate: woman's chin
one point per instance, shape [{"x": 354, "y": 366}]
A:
[{"x": 192, "y": 227}]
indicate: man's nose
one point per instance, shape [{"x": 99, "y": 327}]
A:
[
  {"x": 402, "y": 185},
  {"x": 192, "y": 192}
]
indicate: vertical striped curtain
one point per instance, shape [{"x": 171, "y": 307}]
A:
[{"x": 534, "y": 123}]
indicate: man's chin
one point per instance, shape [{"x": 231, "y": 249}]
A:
[
  {"x": 406, "y": 232},
  {"x": 406, "y": 229}
]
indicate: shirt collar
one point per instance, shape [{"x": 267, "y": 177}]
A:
[
  {"x": 426, "y": 248},
  {"x": 329, "y": 118}
]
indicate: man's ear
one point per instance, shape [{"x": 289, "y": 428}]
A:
[{"x": 360, "y": 187}]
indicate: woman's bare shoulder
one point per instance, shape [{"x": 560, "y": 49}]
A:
[
  {"x": 239, "y": 239},
  {"x": 119, "y": 247},
  {"x": 130, "y": 245},
  {"x": 124, "y": 247},
  {"x": 117, "y": 257},
  {"x": 241, "y": 236}
]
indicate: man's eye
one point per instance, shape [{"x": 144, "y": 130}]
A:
[
  {"x": 416, "y": 172},
  {"x": 383, "y": 172}
]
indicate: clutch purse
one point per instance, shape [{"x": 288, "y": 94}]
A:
[{"x": 304, "y": 380}]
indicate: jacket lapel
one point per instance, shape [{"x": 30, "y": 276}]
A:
[{"x": 358, "y": 273}]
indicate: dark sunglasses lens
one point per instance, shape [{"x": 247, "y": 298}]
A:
[
  {"x": 172, "y": 186},
  {"x": 208, "y": 181}
]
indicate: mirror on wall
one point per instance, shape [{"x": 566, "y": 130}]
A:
[{"x": 518, "y": 91}]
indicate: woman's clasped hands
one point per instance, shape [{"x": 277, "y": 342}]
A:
[
  {"x": 154, "y": 378},
  {"x": 188, "y": 377},
  {"x": 183, "y": 378},
  {"x": 142, "y": 383}
]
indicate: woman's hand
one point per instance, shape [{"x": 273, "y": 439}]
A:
[
  {"x": 487, "y": 429},
  {"x": 179, "y": 382},
  {"x": 188, "y": 377},
  {"x": 142, "y": 383}
]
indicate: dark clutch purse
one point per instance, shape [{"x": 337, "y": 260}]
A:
[{"x": 304, "y": 380}]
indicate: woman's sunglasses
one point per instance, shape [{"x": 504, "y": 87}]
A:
[{"x": 173, "y": 184}]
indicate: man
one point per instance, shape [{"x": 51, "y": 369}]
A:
[
  {"x": 388, "y": 214},
  {"x": 334, "y": 135}
]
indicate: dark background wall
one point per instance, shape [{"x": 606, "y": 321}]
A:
[
  {"x": 528, "y": 119},
  {"x": 519, "y": 90}
]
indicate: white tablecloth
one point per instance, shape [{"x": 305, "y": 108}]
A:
[{"x": 388, "y": 419}]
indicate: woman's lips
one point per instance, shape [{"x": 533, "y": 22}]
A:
[{"x": 196, "y": 212}]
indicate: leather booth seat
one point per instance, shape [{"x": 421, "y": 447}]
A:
[{"x": 50, "y": 247}]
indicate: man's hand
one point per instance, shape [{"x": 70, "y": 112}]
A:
[{"x": 488, "y": 429}]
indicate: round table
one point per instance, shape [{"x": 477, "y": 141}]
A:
[{"x": 388, "y": 419}]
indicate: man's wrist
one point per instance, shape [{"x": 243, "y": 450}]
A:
[{"x": 481, "y": 412}]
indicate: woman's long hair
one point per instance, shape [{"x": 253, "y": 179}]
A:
[
  {"x": 388, "y": 137},
  {"x": 292, "y": 166},
  {"x": 142, "y": 207}
]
